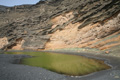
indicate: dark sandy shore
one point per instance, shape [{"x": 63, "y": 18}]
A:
[{"x": 9, "y": 70}]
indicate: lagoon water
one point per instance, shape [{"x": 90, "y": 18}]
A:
[{"x": 62, "y": 63}]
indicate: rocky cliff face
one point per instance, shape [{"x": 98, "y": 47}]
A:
[{"x": 54, "y": 24}]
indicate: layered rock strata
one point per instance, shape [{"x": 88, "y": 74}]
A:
[{"x": 53, "y": 24}]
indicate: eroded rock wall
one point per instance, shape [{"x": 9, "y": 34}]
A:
[
  {"x": 60, "y": 24},
  {"x": 89, "y": 36}
]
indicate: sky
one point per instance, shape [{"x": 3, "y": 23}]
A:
[{"x": 17, "y": 2}]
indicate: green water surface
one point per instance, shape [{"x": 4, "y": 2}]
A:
[{"x": 63, "y": 63}]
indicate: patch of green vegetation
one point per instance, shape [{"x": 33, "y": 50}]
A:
[
  {"x": 63, "y": 63},
  {"x": 90, "y": 50}
]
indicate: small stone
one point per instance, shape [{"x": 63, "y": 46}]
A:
[
  {"x": 116, "y": 77},
  {"x": 78, "y": 51},
  {"x": 111, "y": 74},
  {"x": 28, "y": 72},
  {"x": 106, "y": 52},
  {"x": 83, "y": 49},
  {"x": 76, "y": 76},
  {"x": 72, "y": 76}
]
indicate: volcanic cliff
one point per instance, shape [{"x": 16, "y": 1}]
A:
[{"x": 55, "y": 24}]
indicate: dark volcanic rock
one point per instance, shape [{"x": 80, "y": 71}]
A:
[{"x": 3, "y": 8}]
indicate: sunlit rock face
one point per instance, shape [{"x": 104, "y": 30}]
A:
[
  {"x": 92, "y": 35},
  {"x": 3, "y": 42},
  {"x": 54, "y": 24}
]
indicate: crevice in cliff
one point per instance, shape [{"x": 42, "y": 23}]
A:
[{"x": 17, "y": 45}]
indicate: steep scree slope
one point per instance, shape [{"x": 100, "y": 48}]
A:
[{"x": 54, "y": 24}]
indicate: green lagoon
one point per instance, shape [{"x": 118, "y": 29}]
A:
[{"x": 63, "y": 63}]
